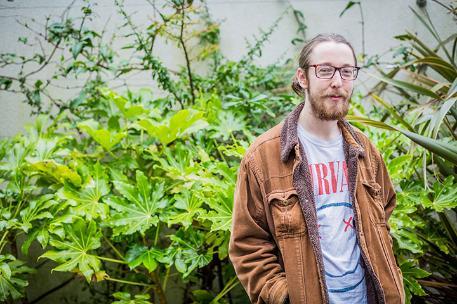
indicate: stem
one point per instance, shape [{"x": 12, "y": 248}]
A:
[
  {"x": 220, "y": 153},
  {"x": 448, "y": 227},
  {"x": 436, "y": 284},
  {"x": 158, "y": 288},
  {"x": 186, "y": 55},
  {"x": 230, "y": 285},
  {"x": 2, "y": 243},
  {"x": 448, "y": 125},
  {"x": 112, "y": 247},
  {"x": 165, "y": 280},
  {"x": 128, "y": 282},
  {"x": 156, "y": 238},
  {"x": 111, "y": 260},
  {"x": 362, "y": 22}
]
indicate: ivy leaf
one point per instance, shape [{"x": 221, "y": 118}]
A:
[
  {"x": 87, "y": 200},
  {"x": 138, "y": 255},
  {"x": 137, "y": 210},
  {"x": 13, "y": 277},
  {"x": 73, "y": 252}
]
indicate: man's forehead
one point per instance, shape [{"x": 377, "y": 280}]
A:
[{"x": 331, "y": 52}]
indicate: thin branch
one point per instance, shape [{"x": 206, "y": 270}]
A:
[
  {"x": 181, "y": 39},
  {"x": 46, "y": 62},
  {"x": 52, "y": 290}
]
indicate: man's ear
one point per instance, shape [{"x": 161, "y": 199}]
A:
[{"x": 301, "y": 77}]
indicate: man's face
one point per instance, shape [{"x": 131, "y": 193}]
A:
[{"x": 329, "y": 98}]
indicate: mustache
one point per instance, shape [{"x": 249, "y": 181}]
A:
[{"x": 337, "y": 93}]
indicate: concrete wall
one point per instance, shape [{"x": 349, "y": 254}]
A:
[{"x": 240, "y": 20}]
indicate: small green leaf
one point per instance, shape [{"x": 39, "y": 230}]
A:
[
  {"x": 58, "y": 172},
  {"x": 106, "y": 138},
  {"x": 138, "y": 255}
]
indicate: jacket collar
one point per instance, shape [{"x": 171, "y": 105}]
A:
[{"x": 289, "y": 136}]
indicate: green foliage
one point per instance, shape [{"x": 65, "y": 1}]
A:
[
  {"x": 13, "y": 277},
  {"x": 133, "y": 191},
  {"x": 72, "y": 251},
  {"x": 423, "y": 224},
  {"x": 126, "y": 298}
]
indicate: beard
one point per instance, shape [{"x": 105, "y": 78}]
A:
[{"x": 326, "y": 109}]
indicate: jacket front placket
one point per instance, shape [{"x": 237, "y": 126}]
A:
[
  {"x": 303, "y": 184},
  {"x": 352, "y": 154}
]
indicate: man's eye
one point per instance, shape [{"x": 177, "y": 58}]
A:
[
  {"x": 347, "y": 72},
  {"x": 326, "y": 70}
]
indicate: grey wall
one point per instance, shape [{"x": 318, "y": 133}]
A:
[{"x": 240, "y": 20}]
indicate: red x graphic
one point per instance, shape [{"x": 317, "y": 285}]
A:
[{"x": 348, "y": 224}]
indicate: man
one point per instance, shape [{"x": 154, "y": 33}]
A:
[{"x": 313, "y": 197}]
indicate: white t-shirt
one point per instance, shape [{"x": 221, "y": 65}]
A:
[{"x": 344, "y": 273}]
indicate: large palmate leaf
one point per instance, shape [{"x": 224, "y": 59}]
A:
[
  {"x": 221, "y": 214},
  {"x": 86, "y": 201},
  {"x": 227, "y": 124},
  {"x": 13, "y": 274},
  {"x": 410, "y": 275},
  {"x": 179, "y": 165},
  {"x": 36, "y": 210},
  {"x": 444, "y": 195},
  {"x": 188, "y": 208},
  {"x": 138, "y": 208},
  {"x": 181, "y": 123},
  {"x": 73, "y": 252}
]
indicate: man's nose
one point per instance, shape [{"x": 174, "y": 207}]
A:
[{"x": 337, "y": 81}]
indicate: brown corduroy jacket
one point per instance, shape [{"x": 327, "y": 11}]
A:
[{"x": 274, "y": 245}]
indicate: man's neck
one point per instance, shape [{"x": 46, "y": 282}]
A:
[{"x": 322, "y": 129}]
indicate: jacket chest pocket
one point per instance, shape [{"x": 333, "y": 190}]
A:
[
  {"x": 287, "y": 214},
  {"x": 373, "y": 197}
]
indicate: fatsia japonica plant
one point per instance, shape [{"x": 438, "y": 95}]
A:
[{"x": 132, "y": 192}]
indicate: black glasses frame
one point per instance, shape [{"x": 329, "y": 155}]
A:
[{"x": 335, "y": 69}]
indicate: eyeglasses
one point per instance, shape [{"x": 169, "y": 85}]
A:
[{"x": 325, "y": 71}]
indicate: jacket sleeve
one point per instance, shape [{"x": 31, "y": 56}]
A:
[
  {"x": 252, "y": 248},
  {"x": 387, "y": 188}
]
